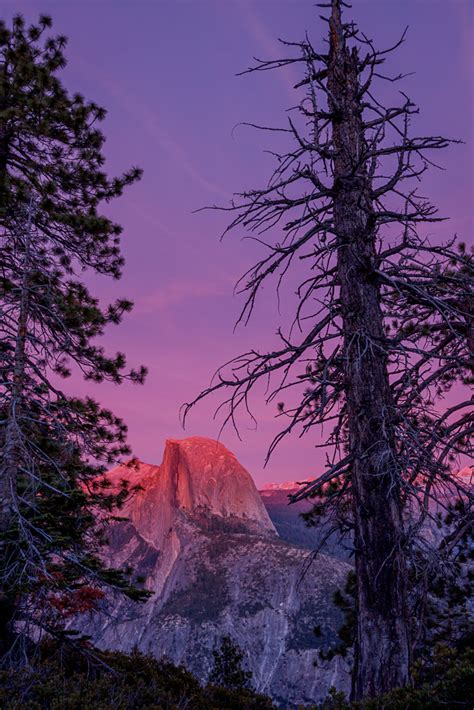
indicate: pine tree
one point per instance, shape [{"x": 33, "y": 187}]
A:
[
  {"x": 383, "y": 328},
  {"x": 227, "y": 670},
  {"x": 54, "y": 446}
]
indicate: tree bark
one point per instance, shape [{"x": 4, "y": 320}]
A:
[
  {"x": 382, "y": 650},
  {"x": 10, "y": 464},
  {"x": 4, "y": 141}
]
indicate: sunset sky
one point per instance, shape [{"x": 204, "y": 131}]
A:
[{"x": 165, "y": 70}]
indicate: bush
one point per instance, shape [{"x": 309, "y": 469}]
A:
[
  {"x": 228, "y": 670},
  {"x": 447, "y": 683},
  {"x": 58, "y": 679},
  {"x": 114, "y": 681}
]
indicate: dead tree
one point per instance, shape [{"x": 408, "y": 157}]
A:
[{"x": 383, "y": 328}]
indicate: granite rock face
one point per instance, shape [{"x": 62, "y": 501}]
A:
[
  {"x": 200, "y": 537},
  {"x": 199, "y": 480},
  {"x": 293, "y": 528},
  {"x": 287, "y": 518}
]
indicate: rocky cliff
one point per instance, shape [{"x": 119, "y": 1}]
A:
[
  {"x": 200, "y": 538},
  {"x": 292, "y": 527}
]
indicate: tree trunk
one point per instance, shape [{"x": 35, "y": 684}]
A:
[
  {"x": 4, "y": 142},
  {"x": 10, "y": 463},
  {"x": 382, "y": 651}
]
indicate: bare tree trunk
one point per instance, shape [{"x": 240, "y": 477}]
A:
[
  {"x": 4, "y": 141},
  {"x": 9, "y": 468},
  {"x": 382, "y": 644},
  {"x": 10, "y": 463}
]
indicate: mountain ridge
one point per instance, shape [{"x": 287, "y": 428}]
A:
[{"x": 199, "y": 537}]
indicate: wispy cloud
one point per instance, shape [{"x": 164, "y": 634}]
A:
[
  {"x": 174, "y": 149},
  {"x": 180, "y": 291},
  {"x": 271, "y": 48},
  {"x": 147, "y": 119}
]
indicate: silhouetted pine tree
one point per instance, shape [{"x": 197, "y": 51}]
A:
[
  {"x": 228, "y": 671},
  {"x": 53, "y": 446}
]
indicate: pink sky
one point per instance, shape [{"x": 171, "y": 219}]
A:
[{"x": 165, "y": 70}]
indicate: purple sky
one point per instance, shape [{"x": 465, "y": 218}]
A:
[{"x": 165, "y": 70}]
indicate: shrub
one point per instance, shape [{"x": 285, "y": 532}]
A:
[{"x": 64, "y": 680}]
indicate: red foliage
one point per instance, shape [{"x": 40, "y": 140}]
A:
[{"x": 76, "y": 602}]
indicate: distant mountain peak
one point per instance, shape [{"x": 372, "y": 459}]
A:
[
  {"x": 467, "y": 474},
  {"x": 284, "y": 486},
  {"x": 200, "y": 479},
  {"x": 199, "y": 537}
]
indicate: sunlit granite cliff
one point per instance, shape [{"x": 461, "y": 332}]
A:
[{"x": 200, "y": 538}]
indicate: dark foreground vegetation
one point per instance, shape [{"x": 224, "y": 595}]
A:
[{"x": 60, "y": 679}]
